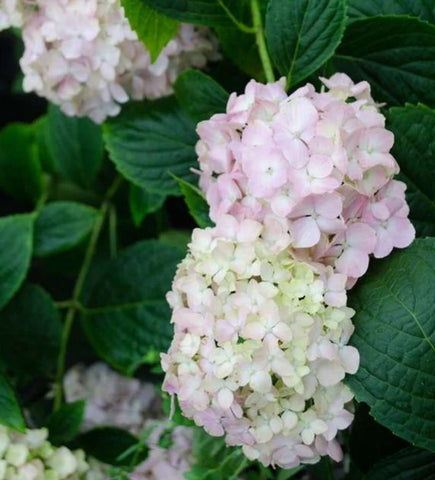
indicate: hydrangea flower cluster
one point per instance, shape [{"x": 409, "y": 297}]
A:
[
  {"x": 259, "y": 351},
  {"x": 301, "y": 190},
  {"x": 320, "y": 161},
  {"x": 111, "y": 399},
  {"x": 84, "y": 56},
  {"x": 128, "y": 403},
  {"x": 169, "y": 463},
  {"x": 30, "y": 456}
]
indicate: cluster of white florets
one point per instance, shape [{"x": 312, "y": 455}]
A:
[
  {"x": 30, "y": 456},
  {"x": 128, "y": 403},
  {"x": 83, "y": 55},
  {"x": 320, "y": 161},
  {"x": 259, "y": 351},
  {"x": 12, "y": 13}
]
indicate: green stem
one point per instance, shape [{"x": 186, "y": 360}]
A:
[
  {"x": 329, "y": 469},
  {"x": 77, "y": 292},
  {"x": 261, "y": 42},
  {"x": 241, "y": 26},
  {"x": 113, "y": 241}
]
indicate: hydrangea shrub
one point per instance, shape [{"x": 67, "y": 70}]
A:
[{"x": 217, "y": 224}]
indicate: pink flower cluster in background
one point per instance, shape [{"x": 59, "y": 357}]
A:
[
  {"x": 128, "y": 403},
  {"x": 301, "y": 190},
  {"x": 319, "y": 161},
  {"x": 84, "y": 56}
]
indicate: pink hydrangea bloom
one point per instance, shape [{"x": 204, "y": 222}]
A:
[
  {"x": 260, "y": 346},
  {"x": 84, "y": 56},
  {"x": 166, "y": 463},
  {"x": 128, "y": 403},
  {"x": 319, "y": 161},
  {"x": 111, "y": 398}
]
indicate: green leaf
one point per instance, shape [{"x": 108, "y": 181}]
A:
[
  {"x": 142, "y": 203},
  {"x": 199, "y": 95},
  {"x": 423, "y": 9},
  {"x": 408, "y": 464},
  {"x": 41, "y": 134},
  {"x": 154, "y": 29},
  {"x": 75, "y": 145},
  {"x": 30, "y": 332},
  {"x": 196, "y": 203},
  {"x": 61, "y": 226},
  {"x": 16, "y": 238},
  {"x": 203, "y": 12},
  {"x": 303, "y": 34},
  {"x": 176, "y": 238},
  {"x": 108, "y": 444},
  {"x": 214, "y": 460},
  {"x": 20, "y": 169},
  {"x": 127, "y": 313},
  {"x": 395, "y": 336},
  {"x": 149, "y": 140},
  {"x": 10, "y": 412},
  {"x": 242, "y": 50},
  {"x": 414, "y": 149},
  {"x": 64, "y": 424},
  {"x": 399, "y": 63}
]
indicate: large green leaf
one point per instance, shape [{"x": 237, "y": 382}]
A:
[
  {"x": 154, "y": 29},
  {"x": 10, "y": 412},
  {"x": 30, "y": 331},
  {"x": 199, "y": 95},
  {"x": 127, "y": 314},
  {"x": 303, "y": 34},
  {"x": 424, "y": 9},
  {"x": 408, "y": 464},
  {"x": 395, "y": 335},
  {"x": 414, "y": 149},
  {"x": 64, "y": 424},
  {"x": 62, "y": 225},
  {"x": 396, "y": 55},
  {"x": 150, "y": 140},
  {"x": 204, "y": 12},
  {"x": 16, "y": 233},
  {"x": 110, "y": 444},
  {"x": 20, "y": 169},
  {"x": 75, "y": 145}
]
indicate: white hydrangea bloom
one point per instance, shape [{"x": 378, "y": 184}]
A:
[
  {"x": 30, "y": 456},
  {"x": 11, "y": 13},
  {"x": 83, "y": 56},
  {"x": 258, "y": 353},
  {"x": 111, "y": 399}
]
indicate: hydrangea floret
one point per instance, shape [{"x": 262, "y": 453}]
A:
[
  {"x": 319, "y": 161},
  {"x": 260, "y": 344},
  {"x": 85, "y": 57},
  {"x": 29, "y": 456}
]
